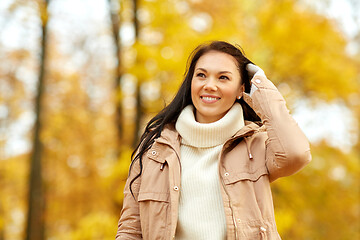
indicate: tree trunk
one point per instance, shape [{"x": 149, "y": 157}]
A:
[
  {"x": 119, "y": 120},
  {"x": 136, "y": 19},
  {"x": 36, "y": 200},
  {"x": 139, "y": 114},
  {"x": 139, "y": 109}
]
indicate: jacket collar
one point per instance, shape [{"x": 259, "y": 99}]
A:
[
  {"x": 170, "y": 136},
  {"x": 249, "y": 129}
]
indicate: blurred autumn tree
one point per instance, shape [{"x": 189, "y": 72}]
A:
[{"x": 91, "y": 44}]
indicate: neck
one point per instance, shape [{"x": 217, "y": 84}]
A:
[{"x": 198, "y": 134}]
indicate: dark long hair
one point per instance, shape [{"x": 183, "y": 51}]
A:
[{"x": 183, "y": 98}]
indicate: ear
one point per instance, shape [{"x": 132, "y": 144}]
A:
[{"x": 241, "y": 90}]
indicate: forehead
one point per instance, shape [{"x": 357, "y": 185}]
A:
[{"x": 217, "y": 60}]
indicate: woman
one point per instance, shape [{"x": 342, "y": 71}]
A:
[{"x": 203, "y": 167}]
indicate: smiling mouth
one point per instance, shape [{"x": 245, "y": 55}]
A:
[{"x": 209, "y": 99}]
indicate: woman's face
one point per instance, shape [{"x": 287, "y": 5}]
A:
[{"x": 215, "y": 86}]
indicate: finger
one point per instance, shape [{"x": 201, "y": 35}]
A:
[{"x": 252, "y": 68}]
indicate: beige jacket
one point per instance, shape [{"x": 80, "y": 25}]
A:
[{"x": 249, "y": 161}]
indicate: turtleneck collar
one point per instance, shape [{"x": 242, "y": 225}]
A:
[{"x": 205, "y": 135}]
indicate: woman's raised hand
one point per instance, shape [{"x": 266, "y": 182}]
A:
[{"x": 255, "y": 70}]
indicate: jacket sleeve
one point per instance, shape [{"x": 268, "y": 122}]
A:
[
  {"x": 287, "y": 148},
  {"x": 129, "y": 227}
]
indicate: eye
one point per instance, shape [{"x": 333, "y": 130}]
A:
[
  {"x": 202, "y": 75},
  {"x": 224, "y": 77}
]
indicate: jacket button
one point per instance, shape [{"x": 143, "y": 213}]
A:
[
  {"x": 153, "y": 152},
  {"x": 258, "y": 81},
  {"x": 226, "y": 174},
  {"x": 262, "y": 229},
  {"x": 176, "y": 188}
]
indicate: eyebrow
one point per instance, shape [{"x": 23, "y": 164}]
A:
[{"x": 221, "y": 72}]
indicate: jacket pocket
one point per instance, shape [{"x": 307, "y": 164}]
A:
[
  {"x": 246, "y": 175},
  {"x": 153, "y": 196},
  {"x": 154, "y": 211},
  {"x": 251, "y": 200}
]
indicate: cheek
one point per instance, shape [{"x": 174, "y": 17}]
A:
[
  {"x": 194, "y": 88},
  {"x": 231, "y": 93}
]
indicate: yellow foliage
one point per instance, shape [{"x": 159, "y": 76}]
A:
[
  {"x": 93, "y": 226},
  {"x": 85, "y": 166}
]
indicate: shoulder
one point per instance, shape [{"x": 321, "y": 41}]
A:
[
  {"x": 169, "y": 134},
  {"x": 252, "y": 129},
  {"x": 255, "y": 134},
  {"x": 164, "y": 145}
]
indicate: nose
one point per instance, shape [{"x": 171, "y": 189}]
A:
[{"x": 210, "y": 85}]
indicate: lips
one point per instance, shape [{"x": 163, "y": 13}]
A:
[{"x": 209, "y": 99}]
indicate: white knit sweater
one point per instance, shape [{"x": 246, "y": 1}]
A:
[{"x": 201, "y": 211}]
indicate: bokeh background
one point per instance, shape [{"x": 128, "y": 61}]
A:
[{"x": 80, "y": 78}]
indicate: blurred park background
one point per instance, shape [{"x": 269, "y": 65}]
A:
[{"x": 80, "y": 78}]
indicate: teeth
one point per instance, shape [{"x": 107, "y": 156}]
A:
[{"x": 209, "y": 98}]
